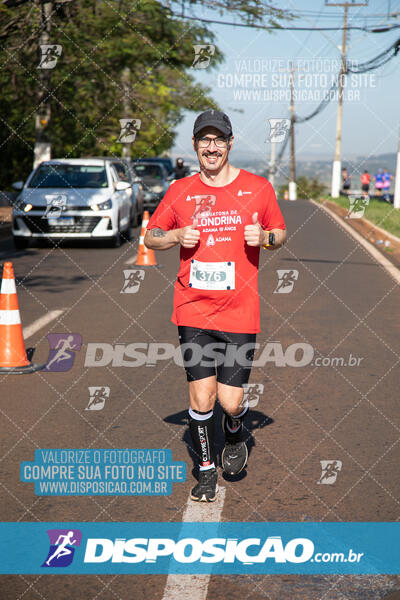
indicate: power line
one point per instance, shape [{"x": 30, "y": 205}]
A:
[{"x": 376, "y": 29}]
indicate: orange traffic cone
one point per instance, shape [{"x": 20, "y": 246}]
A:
[
  {"x": 13, "y": 357},
  {"x": 146, "y": 256}
]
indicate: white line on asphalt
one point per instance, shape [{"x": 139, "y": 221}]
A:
[
  {"x": 131, "y": 260},
  {"x": 41, "y": 322},
  {"x": 390, "y": 268},
  {"x": 195, "y": 587}
]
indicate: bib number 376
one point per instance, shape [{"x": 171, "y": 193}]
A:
[{"x": 212, "y": 275}]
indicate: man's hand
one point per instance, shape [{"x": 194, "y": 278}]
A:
[
  {"x": 188, "y": 236},
  {"x": 254, "y": 234}
]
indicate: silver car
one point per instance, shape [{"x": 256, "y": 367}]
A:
[{"x": 73, "y": 198}]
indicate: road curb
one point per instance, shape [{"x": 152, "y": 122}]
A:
[{"x": 382, "y": 260}]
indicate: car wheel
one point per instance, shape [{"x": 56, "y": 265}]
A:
[
  {"x": 116, "y": 239},
  {"x": 21, "y": 243},
  {"x": 135, "y": 217},
  {"x": 126, "y": 235}
]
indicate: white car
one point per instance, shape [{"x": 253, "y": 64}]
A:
[{"x": 72, "y": 198}]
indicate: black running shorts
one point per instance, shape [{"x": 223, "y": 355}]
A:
[{"x": 207, "y": 352}]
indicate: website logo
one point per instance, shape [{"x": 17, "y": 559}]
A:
[
  {"x": 62, "y": 547},
  {"x": 62, "y": 351},
  {"x": 279, "y": 129},
  {"x": 50, "y": 53},
  {"x": 128, "y": 130},
  {"x": 202, "y": 55},
  {"x": 97, "y": 397},
  {"x": 133, "y": 279},
  {"x": 330, "y": 471},
  {"x": 287, "y": 278}
]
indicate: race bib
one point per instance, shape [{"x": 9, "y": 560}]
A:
[{"x": 212, "y": 275}]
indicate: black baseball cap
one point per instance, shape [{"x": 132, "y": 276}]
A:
[{"x": 213, "y": 118}]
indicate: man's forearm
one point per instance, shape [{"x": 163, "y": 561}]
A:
[
  {"x": 280, "y": 238},
  {"x": 158, "y": 239}
]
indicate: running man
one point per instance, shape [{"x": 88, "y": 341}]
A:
[
  {"x": 62, "y": 549},
  {"x": 63, "y": 345},
  {"x": 220, "y": 217},
  {"x": 365, "y": 183}
]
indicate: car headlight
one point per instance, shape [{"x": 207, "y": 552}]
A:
[
  {"x": 157, "y": 188},
  {"x": 22, "y": 205},
  {"x": 106, "y": 205}
]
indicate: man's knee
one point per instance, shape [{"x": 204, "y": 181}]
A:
[
  {"x": 231, "y": 399},
  {"x": 202, "y": 398}
]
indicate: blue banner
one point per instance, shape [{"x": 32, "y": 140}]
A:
[
  {"x": 103, "y": 472},
  {"x": 218, "y": 548}
]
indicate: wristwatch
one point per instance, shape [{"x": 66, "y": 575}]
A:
[{"x": 271, "y": 240}]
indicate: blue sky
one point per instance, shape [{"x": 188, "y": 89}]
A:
[{"x": 371, "y": 109}]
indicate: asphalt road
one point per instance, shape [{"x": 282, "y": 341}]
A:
[{"x": 343, "y": 303}]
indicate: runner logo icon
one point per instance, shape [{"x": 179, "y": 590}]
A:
[
  {"x": 62, "y": 547},
  {"x": 286, "y": 278},
  {"x": 56, "y": 203},
  {"x": 203, "y": 54},
  {"x": 98, "y": 396},
  {"x": 133, "y": 279},
  {"x": 252, "y": 392},
  {"x": 62, "y": 351},
  {"x": 279, "y": 128},
  {"x": 50, "y": 53},
  {"x": 128, "y": 131},
  {"x": 330, "y": 470},
  {"x": 204, "y": 204}
]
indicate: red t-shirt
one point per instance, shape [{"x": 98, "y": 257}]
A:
[
  {"x": 365, "y": 178},
  {"x": 216, "y": 286}
]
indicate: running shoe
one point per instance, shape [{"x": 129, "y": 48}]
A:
[
  {"x": 206, "y": 489},
  {"x": 235, "y": 454}
]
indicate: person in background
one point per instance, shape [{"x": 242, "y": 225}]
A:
[
  {"x": 379, "y": 182},
  {"x": 365, "y": 183},
  {"x": 180, "y": 170},
  {"x": 346, "y": 182},
  {"x": 387, "y": 182}
]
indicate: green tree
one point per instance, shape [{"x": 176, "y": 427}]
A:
[{"x": 100, "y": 39}]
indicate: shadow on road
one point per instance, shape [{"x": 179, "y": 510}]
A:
[
  {"x": 334, "y": 262},
  {"x": 254, "y": 420}
]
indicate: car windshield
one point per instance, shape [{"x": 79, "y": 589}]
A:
[
  {"x": 69, "y": 176},
  {"x": 151, "y": 171}
]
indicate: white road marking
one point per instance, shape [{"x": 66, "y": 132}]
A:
[
  {"x": 29, "y": 330},
  {"x": 390, "y": 268},
  {"x": 131, "y": 260},
  {"x": 195, "y": 587}
]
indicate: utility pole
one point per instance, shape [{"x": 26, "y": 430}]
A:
[
  {"x": 126, "y": 87},
  {"x": 337, "y": 166},
  {"x": 396, "y": 201},
  {"x": 292, "y": 181},
  {"x": 42, "y": 149}
]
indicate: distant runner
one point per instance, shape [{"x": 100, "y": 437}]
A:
[
  {"x": 220, "y": 217},
  {"x": 379, "y": 182},
  {"x": 365, "y": 182},
  {"x": 387, "y": 182},
  {"x": 346, "y": 181}
]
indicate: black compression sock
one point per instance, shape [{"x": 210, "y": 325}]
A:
[
  {"x": 233, "y": 423},
  {"x": 201, "y": 427}
]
